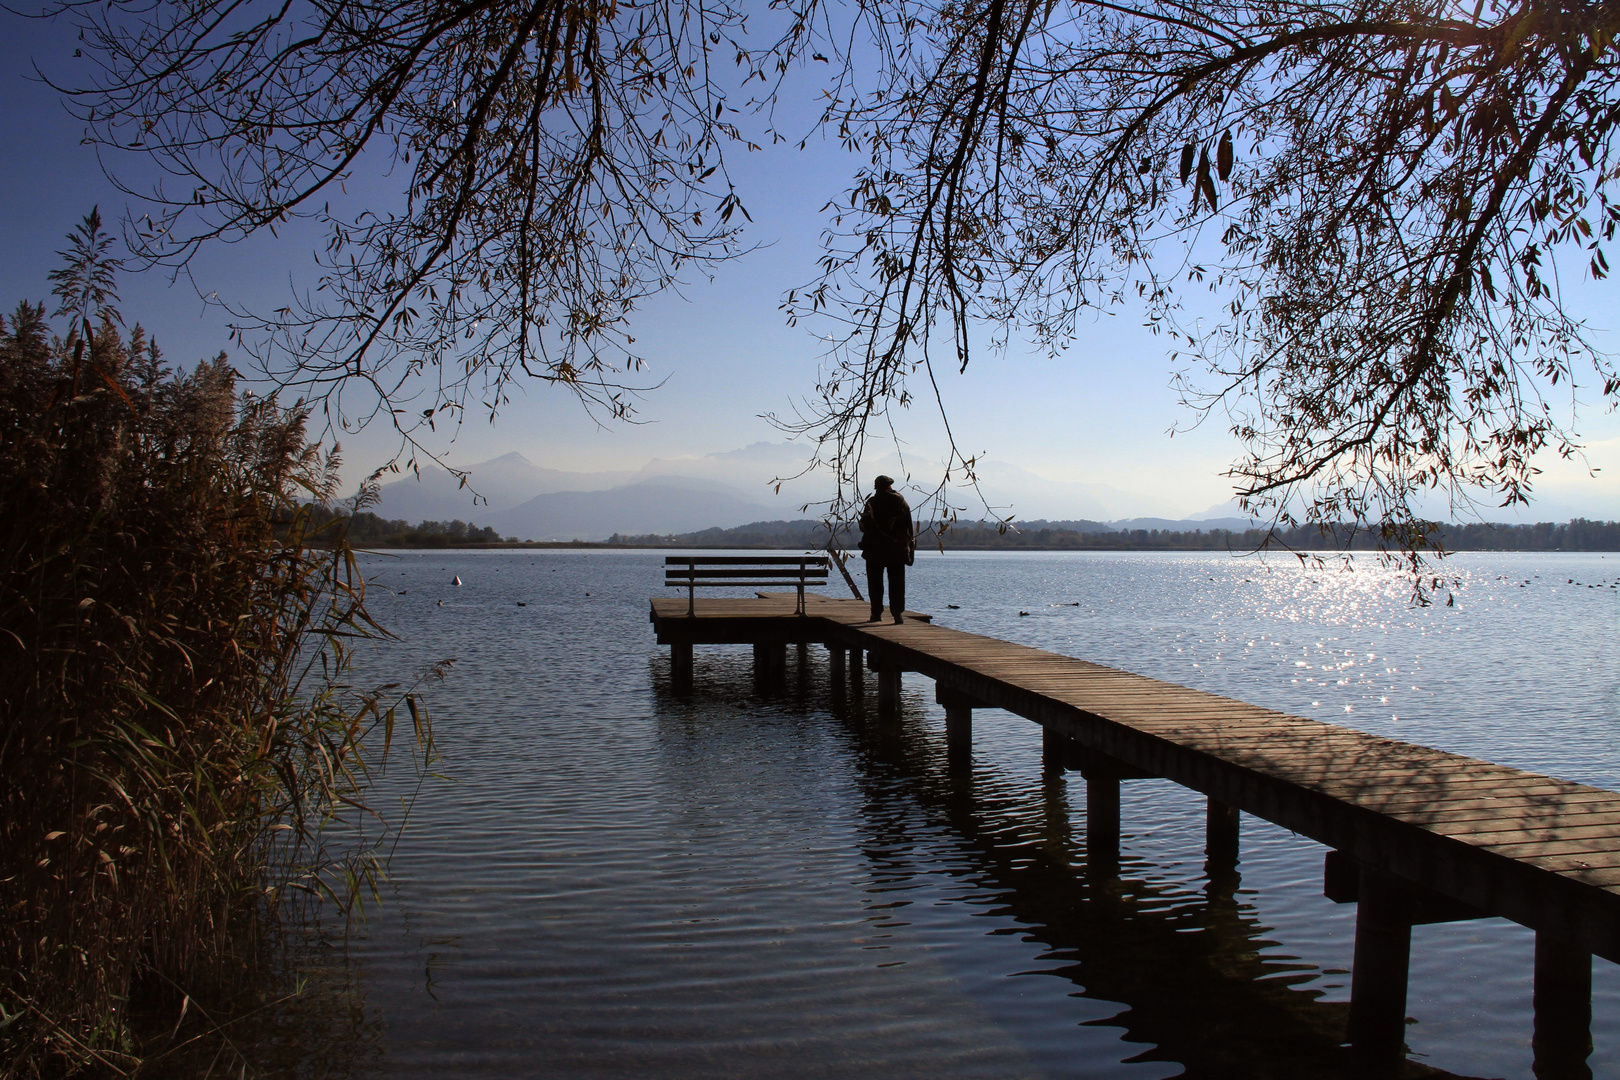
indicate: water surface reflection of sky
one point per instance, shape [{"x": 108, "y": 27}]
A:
[{"x": 615, "y": 881}]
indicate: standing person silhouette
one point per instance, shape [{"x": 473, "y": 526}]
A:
[{"x": 887, "y": 543}]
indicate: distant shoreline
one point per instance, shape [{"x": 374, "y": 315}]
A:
[
  {"x": 368, "y": 532},
  {"x": 603, "y": 545}
]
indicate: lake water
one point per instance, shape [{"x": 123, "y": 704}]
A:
[{"x": 617, "y": 882}]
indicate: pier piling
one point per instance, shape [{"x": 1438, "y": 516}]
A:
[
  {"x": 680, "y": 667},
  {"x": 888, "y": 691},
  {"x": 1563, "y": 1010},
  {"x": 1056, "y": 753},
  {"x": 770, "y": 664},
  {"x": 958, "y": 724},
  {"x": 1383, "y": 951},
  {"x": 1102, "y": 819},
  {"x": 1221, "y": 832}
]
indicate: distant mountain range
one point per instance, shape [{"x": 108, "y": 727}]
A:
[
  {"x": 518, "y": 498},
  {"x": 723, "y": 491},
  {"x": 666, "y": 504},
  {"x": 499, "y": 484}
]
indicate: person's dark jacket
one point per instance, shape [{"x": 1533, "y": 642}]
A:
[{"x": 886, "y": 534}]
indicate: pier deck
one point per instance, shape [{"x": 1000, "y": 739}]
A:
[{"x": 1417, "y": 834}]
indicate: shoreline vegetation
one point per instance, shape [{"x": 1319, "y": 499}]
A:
[
  {"x": 184, "y": 765},
  {"x": 367, "y": 530}
]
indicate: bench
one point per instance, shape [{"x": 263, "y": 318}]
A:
[{"x": 692, "y": 572}]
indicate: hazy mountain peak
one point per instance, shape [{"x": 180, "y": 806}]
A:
[
  {"x": 511, "y": 457},
  {"x": 652, "y": 504},
  {"x": 500, "y": 483}
]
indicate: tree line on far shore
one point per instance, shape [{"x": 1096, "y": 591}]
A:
[
  {"x": 368, "y": 530},
  {"x": 1579, "y": 534}
]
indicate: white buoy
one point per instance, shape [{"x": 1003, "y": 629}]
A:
[{"x": 457, "y": 582}]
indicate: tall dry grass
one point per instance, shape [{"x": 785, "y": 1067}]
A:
[{"x": 176, "y": 741}]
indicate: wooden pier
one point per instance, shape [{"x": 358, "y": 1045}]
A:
[{"x": 1415, "y": 835}]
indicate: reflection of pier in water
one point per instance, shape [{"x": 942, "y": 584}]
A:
[
  {"x": 1417, "y": 835},
  {"x": 1186, "y": 966}
]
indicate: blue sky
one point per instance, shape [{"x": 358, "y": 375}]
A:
[{"x": 1100, "y": 414}]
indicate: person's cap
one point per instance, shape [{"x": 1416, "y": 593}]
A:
[{"x": 883, "y": 482}]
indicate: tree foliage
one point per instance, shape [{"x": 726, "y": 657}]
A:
[
  {"x": 367, "y": 530},
  {"x": 1380, "y": 195},
  {"x": 532, "y": 169},
  {"x": 1376, "y": 193}
]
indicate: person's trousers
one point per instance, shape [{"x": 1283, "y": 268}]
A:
[{"x": 897, "y": 587}]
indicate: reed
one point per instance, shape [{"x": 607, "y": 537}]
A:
[{"x": 178, "y": 748}]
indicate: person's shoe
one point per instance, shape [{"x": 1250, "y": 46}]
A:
[
  {"x": 877, "y": 615},
  {"x": 898, "y": 619}
]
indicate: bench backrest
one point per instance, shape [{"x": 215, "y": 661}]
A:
[
  {"x": 691, "y": 572},
  {"x": 706, "y": 570}
]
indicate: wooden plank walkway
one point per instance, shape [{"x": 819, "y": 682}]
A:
[{"x": 1419, "y": 828}]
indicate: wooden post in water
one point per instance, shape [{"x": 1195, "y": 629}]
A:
[
  {"x": 1221, "y": 833},
  {"x": 835, "y": 665},
  {"x": 1102, "y": 819},
  {"x": 888, "y": 683},
  {"x": 837, "y": 675},
  {"x": 958, "y": 724},
  {"x": 1563, "y": 1006},
  {"x": 680, "y": 666},
  {"x": 770, "y": 664},
  {"x": 1377, "y": 1030},
  {"x": 888, "y": 691},
  {"x": 1054, "y": 752}
]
